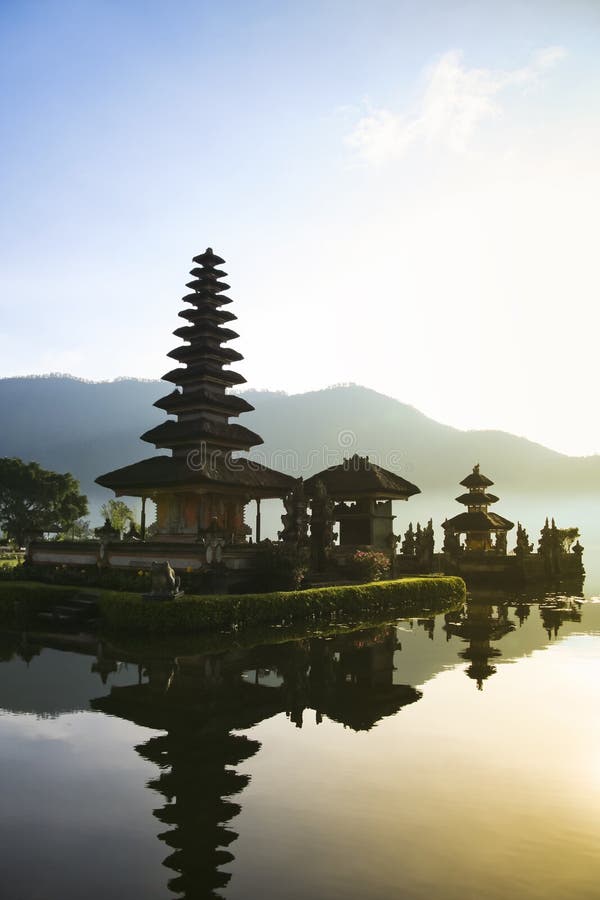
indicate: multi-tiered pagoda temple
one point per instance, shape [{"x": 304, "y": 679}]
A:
[
  {"x": 201, "y": 485},
  {"x": 478, "y": 524}
]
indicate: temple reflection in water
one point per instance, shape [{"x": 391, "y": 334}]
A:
[
  {"x": 201, "y": 701},
  {"x": 480, "y": 625}
]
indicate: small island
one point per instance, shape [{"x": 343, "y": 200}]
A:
[{"x": 337, "y": 526}]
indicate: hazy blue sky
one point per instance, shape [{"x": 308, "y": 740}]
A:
[{"x": 406, "y": 193}]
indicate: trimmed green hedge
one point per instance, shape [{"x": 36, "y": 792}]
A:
[{"x": 127, "y": 612}]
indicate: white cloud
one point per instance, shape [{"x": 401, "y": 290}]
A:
[{"x": 454, "y": 102}]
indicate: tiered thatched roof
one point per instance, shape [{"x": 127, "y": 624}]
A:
[
  {"x": 201, "y": 436},
  {"x": 477, "y": 500},
  {"x": 359, "y": 477}
]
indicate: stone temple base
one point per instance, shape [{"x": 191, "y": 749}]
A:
[{"x": 477, "y": 566}]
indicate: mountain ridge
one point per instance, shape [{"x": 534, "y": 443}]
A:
[
  {"x": 259, "y": 393},
  {"x": 88, "y": 428}
]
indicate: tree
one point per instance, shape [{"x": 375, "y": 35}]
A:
[
  {"x": 34, "y": 500},
  {"x": 408, "y": 544},
  {"x": 523, "y": 547},
  {"x": 118, "y": 514},
  {"x": 80, "y": 530},
  {"x": 567, "y": 537}
]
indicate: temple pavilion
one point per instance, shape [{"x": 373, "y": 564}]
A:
[
  {"x": 201, "y": 485},
  {"x": 363, "y": 492},
  {"x": 477, "y": 523}
]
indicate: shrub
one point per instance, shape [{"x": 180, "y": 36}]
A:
[
  {"x": 279, "y": 568},
  {"x": 369, "y": 565},
  {"x": 127, "y": 612},
  {"x": 86, "y": 576},
  {"x": 275, "y": 572}
]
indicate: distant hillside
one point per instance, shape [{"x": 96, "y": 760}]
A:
[{"x": 91, "y": 428}]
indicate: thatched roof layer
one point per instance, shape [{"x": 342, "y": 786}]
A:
[
  {"x": 205, "y": 350},
  {"x": 477, "y": 521},
  {"x": 197, "y": 431},
  {"x": 476, "y": 479},
  {"x": 477, "y": 498},
  {"x": 359, "y": 477},
  {"x": 208, "y": 259},
  {"x": 229, "y": 404},
  {"x": 204, "y": 370},
  {"x": 169, "y": 472}
]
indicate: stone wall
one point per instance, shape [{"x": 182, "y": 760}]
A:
[
  {"x": 137, "y": 555},
  {"x": 531, "y": 568}
]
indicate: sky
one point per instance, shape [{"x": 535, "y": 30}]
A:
[{"x": 406, "y": 194}]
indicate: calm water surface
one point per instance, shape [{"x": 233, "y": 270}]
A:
[{"x": 449, "y": 757}]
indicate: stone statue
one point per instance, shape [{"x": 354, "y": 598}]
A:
[
  {"x": 550, "y": 548},
  {"x": 545, "y": 542},
  {"x": 523, "y": 547},
  {"x": 214, "y": 541},
  {"x": 429, "y": 540},
  {"x": 322, "y": 535},
  {"x": 164, "y": 583},
  {"x": 133, "y": 534},
  {"x": 577, "y": 549},
  {"x": 107, "y": 532},
  {"x": 424, "y": 544},
  {"x": 408, "y": 544},
  {"x": 451, "y": 545},
  {"x": 501, "y": 546},
  {"x": 295, "y": 519}
]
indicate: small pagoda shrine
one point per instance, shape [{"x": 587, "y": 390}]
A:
[
  {"x": 362, "y": 492},
  {"x": 201, "y": 489},
  {"x": 478, "y": 524}
]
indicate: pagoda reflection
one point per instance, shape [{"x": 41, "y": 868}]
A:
[
  {"x": 482, "y": 623},
  {"x": 201, "y": 703},
  {"x": 556, "y": 611},
  {"x": 479, "y": 624}
]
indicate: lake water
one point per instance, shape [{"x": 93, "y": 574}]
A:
[{"x": 452, "y": 757}]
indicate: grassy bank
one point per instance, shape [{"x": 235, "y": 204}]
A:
[
  {"x": 127, "y": 612},
  {"x": 21, "y": 600}
]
